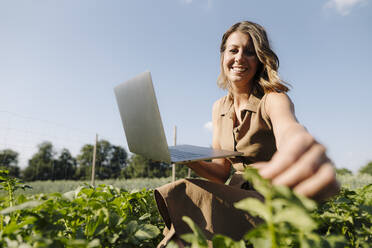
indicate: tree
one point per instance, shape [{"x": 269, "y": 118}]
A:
[
  {"x": 367, "y": 169},
  {"x": 118, "y": 159},
  {"x": 182, "y": 172},
  {"x": 65, "y": 166},
  {"x": 139, "y": 166},
  {"x": 84, "y": 162},
  {"x": 343, "y": 171},
  {"x": 41, "y": 165},
  {"x": 110, "y": 160},
  {"x": 9, "y": 161}
]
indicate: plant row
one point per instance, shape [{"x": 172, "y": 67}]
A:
[{"x": 106, "y": 216}]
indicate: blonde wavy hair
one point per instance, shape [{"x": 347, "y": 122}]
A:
[{"x": 266, "y": 78}]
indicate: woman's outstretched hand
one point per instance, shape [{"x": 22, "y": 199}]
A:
[
  {"x": 302, "y": 164},
  {"x": 300, "y": 161}
]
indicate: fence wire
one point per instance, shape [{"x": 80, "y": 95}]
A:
[{"x": 23, "y": 134}]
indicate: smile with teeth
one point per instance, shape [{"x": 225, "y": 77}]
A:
[{"x": 239, "y": 69}]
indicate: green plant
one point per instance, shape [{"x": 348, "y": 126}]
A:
[
  {"x": 354, "y": 182},
  {"x": 102, "y": 216},
  {"x": 367, "y": 169},
  {"x": 62, "y": 186},
  {"x": 10, "y": 185},
  {"x": 287, "y": 217},
  {"x": 349, "y": 214},
  {"x": 287, "y": 221},
  {"x": 107, "y": 216}
]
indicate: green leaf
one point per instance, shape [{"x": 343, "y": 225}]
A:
[
  {"x": 70, "y": 195},
  {"x": 197, "y": 239},
  {"x": 221, "y": 241},
  {"x": 307, "y": 203},
  {"x": 172, "y": 244},
  {"x": 287, "y": 194},
  {"x": 13, "y": 226},
  {"x": 132, "y": 226},
  {"x": 94, "y": 243},
  {"x": 263, "y": 186},
  {"x": 260, "y": 231},
  {"x": 189, "y": 237},
  {"x": 145, "y": 216},
  {"x": 261, "y": 243},
  {"x": 147, "y": 231},
  {"x": 297, "y": 217},
  {"x": 29, "y": 204},
  {"x": 253, "y": 206}
]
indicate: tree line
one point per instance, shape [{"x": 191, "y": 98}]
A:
[{"x": 112, "y": 162}]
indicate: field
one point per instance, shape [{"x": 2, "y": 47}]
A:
[
  {"x": 62, "y": 186},
  {"x": 354, "y": 181},
  {"x": 122, "y": 213}
]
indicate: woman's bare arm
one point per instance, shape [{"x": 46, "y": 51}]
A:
[{"x": 300, "y": 161}]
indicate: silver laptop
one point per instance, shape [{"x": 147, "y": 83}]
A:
[{"x": 144, "y": 129}]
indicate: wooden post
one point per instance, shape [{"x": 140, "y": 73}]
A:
[
  {"x": 94, "y": 161},
  {"x": 174, "y": 165}
]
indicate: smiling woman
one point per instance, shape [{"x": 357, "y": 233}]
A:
[
  {"x": 239, "y": 61},
  {"x": 256, "y": 118},
  {"x": 255, "y": 48}
]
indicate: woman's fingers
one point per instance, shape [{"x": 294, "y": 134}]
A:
[
  {"x": 302, "y": 164},
  {"x": 303, "y": 168},
  {"x": 287, "y": 155},
  {"x": 322, "y": 184},
  {"x": 330, "y": 190},
  {"x": 259, "y": 165}
]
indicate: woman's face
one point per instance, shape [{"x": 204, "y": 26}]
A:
[{"x": 239, "y": 59}]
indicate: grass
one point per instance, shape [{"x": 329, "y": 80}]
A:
[
  {"x": 61, "y": 186},
  {"x": 354, "y": 181}
]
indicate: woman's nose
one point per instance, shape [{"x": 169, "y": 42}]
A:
[{"x": 238, "y": 57}]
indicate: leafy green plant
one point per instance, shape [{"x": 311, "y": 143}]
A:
[
  {"x": 104, "y": 216},
  {"x": 10, "y": 185},
  {"x": 348, "y": 214},
  {"x": 62, "y": 186},
  {"x": 198, "y": 240},
  {"x": 367, "y": 169},
  {"x": 287, "y": 221},
  {"x": 107, "y": 216},
  {"x": 287, "y": 217},
  {"x": 355, "y": 181}
]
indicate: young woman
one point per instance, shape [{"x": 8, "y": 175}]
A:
[{"x": 257, "y": 118}]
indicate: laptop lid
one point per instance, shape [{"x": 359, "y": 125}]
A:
[{"x": 141, "y": 119}]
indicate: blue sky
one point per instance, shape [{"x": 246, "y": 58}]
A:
[{"x": 59, "y": 62}]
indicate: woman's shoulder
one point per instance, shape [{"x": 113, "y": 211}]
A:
[
  {"x": 223, "y": 100},
  {"x": 272, "y": 95},
  {"x": 276, "y": 95},
  {"x": 222, "y": 104},
  {"x": 277, "y": 102},
  {"x": 277, "y": 99}
]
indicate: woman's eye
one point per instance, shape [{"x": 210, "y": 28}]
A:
[
  {"x": 233, "y": 50},
  {"x": 250, "y": 53}
]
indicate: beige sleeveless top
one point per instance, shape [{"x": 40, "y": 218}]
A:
[{"x": 253, "y": 136}]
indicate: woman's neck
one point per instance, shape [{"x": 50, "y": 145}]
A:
[{"x": 240, "y": 93}]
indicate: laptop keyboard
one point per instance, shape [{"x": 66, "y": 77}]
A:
[{"x": 177, "y": 154}]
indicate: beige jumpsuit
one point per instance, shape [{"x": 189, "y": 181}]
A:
[{"x": 209, "y": 204}]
